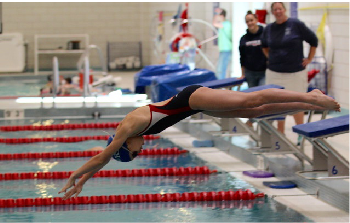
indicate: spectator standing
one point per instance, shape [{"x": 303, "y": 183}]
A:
[
  {"x": 282, "y": 44},
  {"x": 224, "y": 42},
  {"x": 253, "y": 60}
]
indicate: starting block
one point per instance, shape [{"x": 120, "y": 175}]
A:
[
  {"x": 274, "y": 142},
  {"x": 325, "y": 157}
]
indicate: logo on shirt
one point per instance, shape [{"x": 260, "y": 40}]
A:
[
  {"x": 253, "y": 43},
  {"x": 288, "y": 31}
]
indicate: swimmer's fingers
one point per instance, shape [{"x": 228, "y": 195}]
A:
[
  {"x": 74, "y": 191},
  {"x": 68, "y": 194},
  {"x": 70, "y": 183},
  {"x": 64, "y": 189},
  {"x": 78, "y": 190}
]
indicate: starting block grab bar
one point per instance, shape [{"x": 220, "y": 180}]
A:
[{"x": 325, "y": 157}]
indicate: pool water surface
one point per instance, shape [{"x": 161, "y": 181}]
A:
[{"x": 258, "y": 210}]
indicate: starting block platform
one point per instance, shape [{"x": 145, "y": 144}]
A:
[{"x": 325, "y": 157}]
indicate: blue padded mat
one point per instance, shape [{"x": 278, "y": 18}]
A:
[
  {"x": 164, "y": 87},
  {"x": 258, "y": 174},
  {"x": 203, "y": 143},
  {"x": 148, "y": 73},
  {"x": 218, "y": 83},
  {"x": 323, "y": 127},
  {"x": 279, "y": 184}
]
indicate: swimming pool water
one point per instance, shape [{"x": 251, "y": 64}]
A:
[
  {"x": 158, "y": 212},
  {"x": 266, "y": 210},
  {"x": 21, "y": 87}
]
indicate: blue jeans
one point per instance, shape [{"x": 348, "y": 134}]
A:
[
  {"x": 254, "y": 78},
  {"x": 223, "y": 62}
]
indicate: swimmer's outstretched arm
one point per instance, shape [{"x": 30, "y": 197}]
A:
[
  {"x": 132, "y": 124},
  {"x": 79, "y": 186},
  {"x": 97, "y": 162}
]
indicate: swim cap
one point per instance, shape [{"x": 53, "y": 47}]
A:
[{"x": 123, "y": 154}]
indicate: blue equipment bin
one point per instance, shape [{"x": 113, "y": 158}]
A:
[{"x": 148, "y": 73}]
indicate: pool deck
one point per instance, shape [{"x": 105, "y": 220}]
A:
[{"x": 295, "y": 198}]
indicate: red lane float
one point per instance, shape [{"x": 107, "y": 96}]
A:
[
  {"x": 181, "y": 171},
  {"x": 58, "y": 127},
  {"x": 134, "y": 198},
  {"x": 236, "y": 204},
  {"x": 64, "y": 139},
  {"x": 68, "y": 154}
]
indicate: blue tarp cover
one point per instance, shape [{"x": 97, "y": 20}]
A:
[
  {"x": 323, "y": 127},
  {"x": 164, "y": 87},
  {"x": 147, "y": 74}
]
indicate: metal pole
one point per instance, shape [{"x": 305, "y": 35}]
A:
[
  {"x": 87, "y": 53},
  {"x": 102, "y": 59},
  {"x": 86, "y": 76},
  {"x": 205, "y": 58},
  {"x": 55, "y": 79}
]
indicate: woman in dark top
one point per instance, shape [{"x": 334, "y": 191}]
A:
[
  {"x": 253, "y": 60},
  {"x": 282, "y": 44}
]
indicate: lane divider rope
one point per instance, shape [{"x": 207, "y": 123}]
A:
[
  {"x": 65, "y": 139},
  {"x": 58, "y": 127},
  {"x": 181, "y": 171},
  {"x": 69, "y": 154},
  {"x": 236, "y": 204},
  {"x": 134, "y": 198}
]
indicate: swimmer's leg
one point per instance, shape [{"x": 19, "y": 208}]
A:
[
  {"x": 226, "y": 100},
  {"x": 264, "y": 110}
]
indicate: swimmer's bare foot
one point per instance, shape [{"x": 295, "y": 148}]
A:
[{"x": 324, "y": 100}]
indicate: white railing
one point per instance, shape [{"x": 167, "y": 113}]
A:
[
  {"x": 56, "y": 77},
  {"x": 86, "y": 75},
  {"x": 87, "y": 53}
]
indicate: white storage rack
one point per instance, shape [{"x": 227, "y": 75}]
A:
[{"x": 68, "y": 37}]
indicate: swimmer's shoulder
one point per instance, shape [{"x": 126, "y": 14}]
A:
[{"x": 137, "y": 120}]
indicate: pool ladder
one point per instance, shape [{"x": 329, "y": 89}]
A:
[{"x": 86, "y": 74}]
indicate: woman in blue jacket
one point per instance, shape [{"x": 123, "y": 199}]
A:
[
  {"x": 282, "y": 44},
  {"x": 253, "y": 60}
]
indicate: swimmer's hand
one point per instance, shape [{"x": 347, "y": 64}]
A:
[
  {"x": 74, "y": 191},
  {"x": 70, "y": 183}
]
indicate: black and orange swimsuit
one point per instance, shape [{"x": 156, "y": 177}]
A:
[{"x": 171, "y": 113}]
